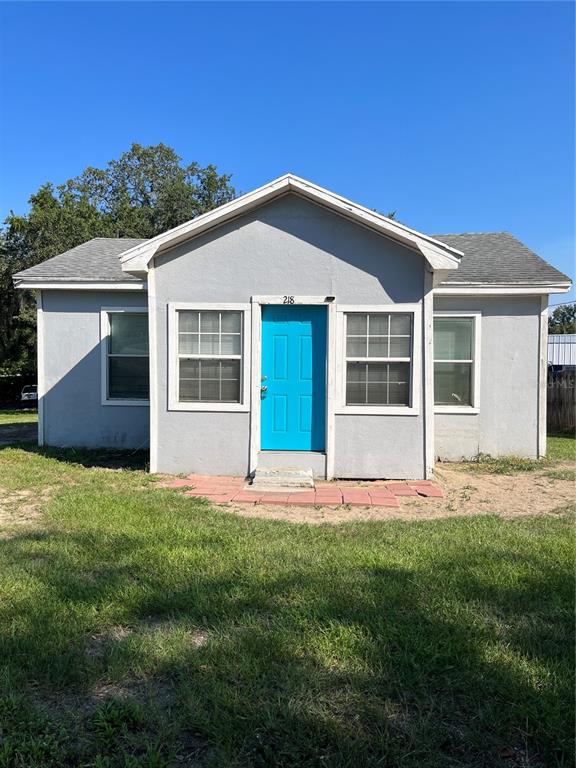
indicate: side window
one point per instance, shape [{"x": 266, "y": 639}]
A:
[
  {"x": 454, "y": 360},
  {"x": 127, "y": 369}
]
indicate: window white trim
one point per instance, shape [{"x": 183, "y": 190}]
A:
[
  {"x": 477, "y": 346},
  {"x": 104, "y": 334},
  {"x": 416, "y": 360},
  {"x": 173, "y": 402}
]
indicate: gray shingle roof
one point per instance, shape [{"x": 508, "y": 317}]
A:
[
  {"x": 96, "y": 260},
  {"x": 498, "y": 257},
  {"x": 492, "y": 257}
]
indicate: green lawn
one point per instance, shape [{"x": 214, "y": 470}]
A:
[
  {"x": 18, "y": 417},
  {"x": 562, "y": 447},
  {"x": 141, "y": 628}
]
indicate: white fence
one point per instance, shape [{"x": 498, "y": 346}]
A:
[{"x": 562, "y": 349}]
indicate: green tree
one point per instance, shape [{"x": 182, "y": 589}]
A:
[
  {"x": 563, "y": 319},
  {"x": 144, "y": 192}
]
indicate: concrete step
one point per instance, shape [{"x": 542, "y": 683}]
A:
[{"x": 282, "y": 479}]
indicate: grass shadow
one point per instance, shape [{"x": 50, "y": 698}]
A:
[{"x": 429, "y": 644}]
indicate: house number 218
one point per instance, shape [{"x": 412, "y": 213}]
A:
[{"x": 287, "y": 299}]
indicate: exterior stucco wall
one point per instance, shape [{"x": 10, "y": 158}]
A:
[
  {"x": 389, "y": 447},
  {"x": 292, "y": 247},
  {"x": 72, "y": 411},
  {"x": 508, "y": 419}
]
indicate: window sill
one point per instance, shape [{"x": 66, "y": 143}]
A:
[
  {"x": 463, "y": 410},
  {"x": 145, "y": 403},
  {"x": 376, "y": 410},
  {"x": 210, "y": 407}
]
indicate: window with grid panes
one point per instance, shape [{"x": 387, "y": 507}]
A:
[
  {"x": 209, "y": 356},
  {"x": 378, "y": 358}
]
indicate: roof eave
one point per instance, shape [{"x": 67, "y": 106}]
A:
[
  {"x": 78, "y": 285},
  {"x": 484, "y": 289}
]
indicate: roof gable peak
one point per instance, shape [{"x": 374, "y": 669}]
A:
[{"x": 438, "y": 255}]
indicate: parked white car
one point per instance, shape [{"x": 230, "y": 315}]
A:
[{"x": 29, "y": 392}]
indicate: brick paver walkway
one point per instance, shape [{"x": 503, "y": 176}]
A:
[{"x": 224, "y": 490}]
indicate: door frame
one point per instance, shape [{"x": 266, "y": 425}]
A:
[{"x": 256, "y": 372}]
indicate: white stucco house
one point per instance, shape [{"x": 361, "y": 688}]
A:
[{"x": 293, "y": 327}]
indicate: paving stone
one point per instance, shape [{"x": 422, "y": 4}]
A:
[
  {"x": 382, "y": 491},
  {"x": 385, "y": 501},
  {"x": 431, "y": 491},
  {"x": 401, "y": 489},
  {"x": 247, "y": 497},
  {"x": 274, "y": 498},
  {"x": 302, "y": 499},
  {"x": 356, "y": 497}
]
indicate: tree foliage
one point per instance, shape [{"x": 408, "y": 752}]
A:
[
  {"x": 563, "y": 319},
  {"x": 147, "y": 190}
]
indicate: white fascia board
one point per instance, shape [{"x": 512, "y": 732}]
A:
[
  {"x": 79, "y": 286},
  {"x": 502, "y": 289},
  {"x": 437, "y": 258},
  {"x": 137, "y": 259}
]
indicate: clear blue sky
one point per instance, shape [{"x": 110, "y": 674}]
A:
[{"x": 459, "y": 115}]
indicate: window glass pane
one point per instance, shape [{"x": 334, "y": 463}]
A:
[
  {"x": 209, "y": 322},
  {"x": 209, "y": 369},
  {"x": 356, "y": 325},
  {"x": 128, "y": 333},
  {"x": 230, "y": 391},
  {"x": 210, "y": 390},
  {"x": 187, "y": 321},
  {"x": 398, "y": 383},
  {"x": 377, "y": 394},
  {"x": 230, "y": 369},
  {"x": 209, "y": 344},
  {"x": 128, "y": 378},
  {"x": 189, "y": 369},
  {"x": 230, "y": 344},
  {"x": 189, "y": 390},
  {"x": 378, "y": 346},
  {"x": 399, "y": 346},
  {"x": 355, "y": 394},
  {"x": 231, "y": 322},
  {"x": 210, "y": 381},
  {"x": 379, "y": 325},
  {"x": 356, "y": 347},
  {"x": 188, "y": 344},
  {"x": 453, "y": 338},
  {"x": 378, "y": 384},
  {"x": 356, "y": 372},
  {"x": 453, "y": 383},
  {"x": 377, "y": 372},
  {"x": 400, "y": 324}
]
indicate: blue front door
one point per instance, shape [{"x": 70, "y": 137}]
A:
[{"x": 293, "y": 378}]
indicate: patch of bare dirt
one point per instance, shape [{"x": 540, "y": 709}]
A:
[
  {"x": 20, "y": 507},
  {"x": 465, "y": 493}
]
